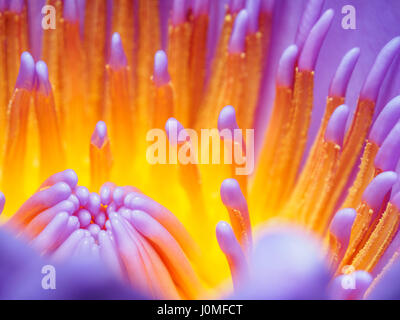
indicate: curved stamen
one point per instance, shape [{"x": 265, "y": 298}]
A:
[
  {"x": 343, "y": 73},
  {"x": 389, "y": 153},
  {"x": 227, "y": 119},
  {"x": 376, "y": 191},
  {"x": 43, "y": 82},
  {"x": 312, "y": 46},
  {"x": 336, "y": 127},
  {"x": 237, "y": 41},
  {"x": 99, "y": 135},
  {"x": 236, "y": 203},
  {"x": 109, "y": 253},
  {"x": 43, "y": 218},
  {"x": 49, "y": 236},
  {"x": 67, "y": 176},
  {"x": 26, "y": 73},
  {"x": 286, "y": 68},
  {"x": 340, "y": 228},
  {"x": 136, "y": 201},
  {"x": 67, "y": 248},
  {"x": 233, "y": 252},
  {"x": 161, "y": 75},
  {"x": 385, "y": 121},
  {"x": 118, "y": 58},
  {"x": 169, "y": 250},
  {"x": 174, "y": 130},
  {"x": 310, "y": 17},
  {"x": 378, "y": 71}
]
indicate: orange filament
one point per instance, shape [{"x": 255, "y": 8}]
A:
[
  {"x": 14, "y": 157},
  {"x": 52, "y": 49},
  {"x": 73, "y": 104},
  {"x": 360, "y": 227},
  {"x": 305, "y": 178},
  {"x": 95, "y": 47},
  {"x": 179, "y": 53},
  {"x": 254, "y": 65},
  {"x": 379, "y": 240},
  {"x": 209, "y": 108},
  {"x": 52, "y": 157},
  {"x": 163, "y": 104},
  {"x": 17, "y": 42},
  {"x": 120, "y": 115},
  {"x": 365, "y": 175},
  {"x": 100, "y": 164},
  {"x": 197, "y": 63},
  {"x": 148, "y": 43}
]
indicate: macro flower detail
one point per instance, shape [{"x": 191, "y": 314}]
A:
[{"x": 317, "y": 218}]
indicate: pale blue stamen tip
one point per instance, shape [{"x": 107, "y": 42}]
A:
[
  {"x": 337, "y": 125},
  {"x": 26, "y": 73},
  {"x": 227, "y": 119},
  {"x": 173, "y": 129},
  {"x": 237, "y": 42},
  {"x": 42, "y": 75},
  {"x": 226, "y": 238},
  {"x": 117, "y": 57},
  {"x": 99, "y": 135},
  {"x": 161, "y": 75},
  {"x": 285, "y": 74},
  {"x": 231, "y": 194},
  {"x": 342, "y": 223}
]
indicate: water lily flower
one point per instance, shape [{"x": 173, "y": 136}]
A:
[{"x": 81, "y": 103}]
